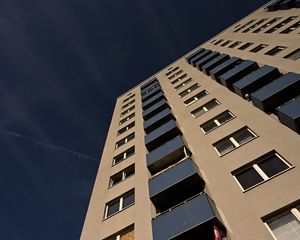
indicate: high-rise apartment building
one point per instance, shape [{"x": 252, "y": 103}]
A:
[{"x": 208, "y": 148}]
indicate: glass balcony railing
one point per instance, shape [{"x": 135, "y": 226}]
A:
[
  {"x": 174, "y": 185},
  {"x": 277, "y": 92},
  {"x": 193, "y": 219},
  {"x": 206, "y": 59},
  {"x": 214, "y": 63},
  {"x": 158, "y": 120},
  {"x": 255, "y": 80},
  {"x": 154, "y": 109},
  {"x": 161, "y": 135},
  {"x": 153, "y": 100}
]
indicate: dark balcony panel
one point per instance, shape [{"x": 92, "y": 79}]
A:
[
  {"x": 150, "y": 87},
  {"x": 161, "y": 135},
  {"x": 156, "y": 98},
  {"x": 147, "y": 84},
  {"x": 206, "y": 59},
  {"x": 200, "y": 56},
  {"x": 277, "y": 92},
  {"x": 194, "y": 54},
  {"x": 165, "y": 155},
  {"x": 286, "y": 4},
  {"x": 214, "y": 63},
  {"x": 255, "y": 80},
  {"x": 224, "y": 67},
  {"x": 151, "y": 94},
  {"x": 238, "y": 72},
  {"x": 175, "y": 185},
  {"x": 192, "y": 220},
  {"x": 274, "y": 6},
  {"x": 289, "y": 114},
  {"x": 154, "y": 109},
  {"x": 297, "y": 4},
  {"x": 158, "y": 120}
]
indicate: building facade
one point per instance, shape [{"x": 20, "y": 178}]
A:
[{"x": 208, "y": 148}]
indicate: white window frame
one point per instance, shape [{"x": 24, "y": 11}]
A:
[
  {"x": 126, "y": 128},
  {"x": 233, "y": 141},
  {"x": 181, "y": 85},
  {"x": 183, "y": 76},
  {"x": 127, "y": 111},
  {"x": 195, "y": 99},
  {"x": 124, "y": 155},
  {"x": 175, "y": 74},
  {"x": 124, "y": 120},
  {"x": 125, "y": 140},
  {"x": 120, "y": 200},
  {"x": 204, "y": 107},
  {"x": 189, "y": 90},
  {"x": 294, "y": 210},
  {"x": 216, "y": 121},
  {"x": 261, "y": 172},
  {"x": 124, "y": 176}
]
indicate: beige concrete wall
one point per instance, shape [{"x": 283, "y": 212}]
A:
[{"x": 240, "y": 211}]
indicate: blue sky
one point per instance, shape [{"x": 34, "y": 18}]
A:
[{"x": 62, "y": 65}]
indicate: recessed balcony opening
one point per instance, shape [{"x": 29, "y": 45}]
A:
[
  {"x": 161, "y": 135},
  {"x": 167, "y": 155},
  {"x": 175, "y": 185},
  {"x": 193, "y": 219}
]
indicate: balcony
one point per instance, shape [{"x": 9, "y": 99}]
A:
[
  {"x": 166, "y": 155},
  {"x": 161, "y": 135},
  {"x": 147, "y": 84},
  {"x": 255, "y": 80},
  {"x": 174, "y": 185},
  {"x": 214, "y": 63},
  {"x": 224, "y": 67},
  {"x": 199, "y": 56},
  {"x": 277, "y": 92},
  {"x": 194, "y": 219},
  {"x": 188, "y": 59},
  {"x": 289, "y": 114},
  {"x": 151, "y": 94},
  {"x": 146, "y": 104},
  {"x": 158, "y": 120},
  {"x": 238, "y": 72},
  {"x": 154, "y": 109},
  {"x": 206, "y": 59}
]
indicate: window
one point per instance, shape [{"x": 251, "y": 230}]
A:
[
  {"x": 125, "y": 234},
  {"x": 291, "y": 28},
  {"x": 175, "y": 74},
  {"x": 122, "y": 121},
  {"x": 284, "y": 22},
  {"x": 126, "y": 128},
  {"x": 127, "y": 111},
  {"x": 180, "y": 78},
  {"x": 255, "y": 25},
  {"x": 119, "y": 203},
  {"x": 258, "y": 48},
  {"x": 217, "y": 121},
  {"x": 246, "y": 45},
  {"x": 170, "y": 72},
  {"x": 285, "y": 225},
  {"x": 245, "y": 25},
  {"x": 295, "y": 55},
  {"x": 190, "y": 89},
  {"x": 275, "y": 50},
  {"x": 234, "y": 141},
  {"x": 195, "y": 98},
  {"x": 125, "y": 140},
  {"x": 235, "y": 44},
  {"x": 218, "y": 42},
  {"x": 127, "y": 99},
  {"x": 183, "y": 83},
  {"x": 226, "y": 43},
  {"x": 121, "y": 176},
  {"x": 267, "y": 24},
  {"x": 261, "y": 170},
  {"x": 128, "y": 104},
  {"x": 205, "y": 108},
  {"x": 124, "y": 155}
]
